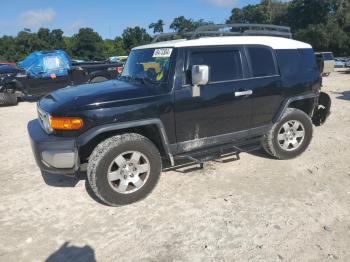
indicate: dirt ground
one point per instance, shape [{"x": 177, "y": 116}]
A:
[{"x": 253, "y": 209}]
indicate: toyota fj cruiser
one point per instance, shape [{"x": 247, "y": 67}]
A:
[{"x": 189, "y": 98}]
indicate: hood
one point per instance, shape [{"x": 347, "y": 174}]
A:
[
  {"x": 90, "y": 96},
  {"x": 9, "y": 69}
]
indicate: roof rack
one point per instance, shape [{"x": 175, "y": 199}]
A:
[
  {"x": 172, "y": 36},
  {"x": 231, "y": 30}
]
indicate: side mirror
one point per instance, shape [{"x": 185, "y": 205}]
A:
[{"x": 200, "y": 76}]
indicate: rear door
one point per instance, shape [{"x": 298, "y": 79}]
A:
[
  {"x": 265, "y": 83},
  {"x": 220, "y": 109}
]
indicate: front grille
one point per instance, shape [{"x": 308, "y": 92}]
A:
[{"x": 43, "y": 117}]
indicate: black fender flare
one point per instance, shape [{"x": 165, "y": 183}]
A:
[
  {"x": 93, "y": 132},
  {"x": 323, "y": 109},
  {"x": 290, "y": 100}
]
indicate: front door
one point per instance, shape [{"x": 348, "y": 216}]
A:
[
  {"x": 224, "y": 105},
  {"x": 45, "y": 85}
]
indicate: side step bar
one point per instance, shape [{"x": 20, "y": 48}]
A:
[{"x": 201, "y": 156}]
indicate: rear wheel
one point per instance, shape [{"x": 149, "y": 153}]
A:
[
  {"x": 8, "y": 99},
  {"x": 98, "y": 79},
  {"x": 289, "y": 137},
  {"x": 124, "y": 169}
]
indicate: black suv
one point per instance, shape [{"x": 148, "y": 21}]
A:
[{"x": 180, "y": 99}]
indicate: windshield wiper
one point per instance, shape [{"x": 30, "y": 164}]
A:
[{"x": 141, "y": 79}]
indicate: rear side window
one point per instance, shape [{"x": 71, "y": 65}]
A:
[
  {"x": 261, "y": 61},
  {"x": 308, "y": 62},
  {"x": 297, "y": 64},
  {"x": 223, "y": 65}
]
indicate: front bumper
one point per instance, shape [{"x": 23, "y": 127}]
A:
[{"x": 53, "y": 154}]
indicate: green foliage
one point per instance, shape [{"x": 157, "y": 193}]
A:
[
  {"x": 114, "y": 47},
  {"x": 157, "y": 26},
  {"x": 87, "y": 45},
  {"x": 325, "y": 24},
  {"x": 181, "y": 24},
  {"x": 135, "y": 36},
  {"x": 17, "y": 48},
  {"x": 8, "y": 50}
]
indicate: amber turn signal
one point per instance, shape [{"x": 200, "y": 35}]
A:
[{"x": 66, "y": 123}]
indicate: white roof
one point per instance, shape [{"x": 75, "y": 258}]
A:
[{"x": 273, "y": 42}]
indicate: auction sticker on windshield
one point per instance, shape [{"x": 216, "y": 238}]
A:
[{"x": 162, "y": 52}]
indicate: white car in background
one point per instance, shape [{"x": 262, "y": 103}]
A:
[{"x": 339, "y": 62}]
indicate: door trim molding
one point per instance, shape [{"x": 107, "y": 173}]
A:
[{"x": 206, "y": 142}]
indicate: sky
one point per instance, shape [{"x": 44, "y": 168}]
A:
[{"x": 108, "y": 17}]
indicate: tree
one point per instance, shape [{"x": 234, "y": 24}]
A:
[
  {"x": 119, "y": 46},
  {"x": 87, "y": 45},
  {"x": 8, "y": 48},
  {"x": 25, "y": 43},
  {"x": 113, "y": 47},
  {"x": 181, "y": 24},
  {"x": 323, "y": 23},
  {"x": 157, "y": 26},
  {"x": 309, "y": 12},
  {"x": 56, "y": 39},
  {"x": 44, "y": 38},
  {"x": 50, "y": 40},
  {"x": 135, "y": 36},
  {"x": 248, "y": 14}
]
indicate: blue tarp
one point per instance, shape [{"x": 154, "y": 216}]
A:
[{"x": 46, "y": 64}]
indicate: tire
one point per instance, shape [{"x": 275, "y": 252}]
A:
[
  {"x": 98, "y": 79},
  {"x": 8, "y": 99},
  {"x": 106, "y": 159},
  {"x": 280, "y": 143}
]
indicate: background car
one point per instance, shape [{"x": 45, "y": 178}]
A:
[
  {"x": 339, "y": 62},
  {"x": 7, "y": 63},
  {"x": 43, "y": 72},
  {"x": 347, "y": 63},
  {"x": 115, "y": 59}
]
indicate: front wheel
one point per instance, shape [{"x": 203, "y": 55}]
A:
[
  {"x": 124, "y": 169},
  {"x": 289, "y": 137}
]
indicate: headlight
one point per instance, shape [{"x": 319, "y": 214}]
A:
[
  {"x": 50, "y": 123},
  {"x": 45, "y": 119},
  {"x": 66, "y": 123}
]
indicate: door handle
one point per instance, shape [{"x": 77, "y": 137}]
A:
[{"x": 244, "y": 93}]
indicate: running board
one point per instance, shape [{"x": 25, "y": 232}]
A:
[{"x": 201, "y": 156}]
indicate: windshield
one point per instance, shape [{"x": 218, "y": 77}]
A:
[{"x": 151, "y": 65}]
